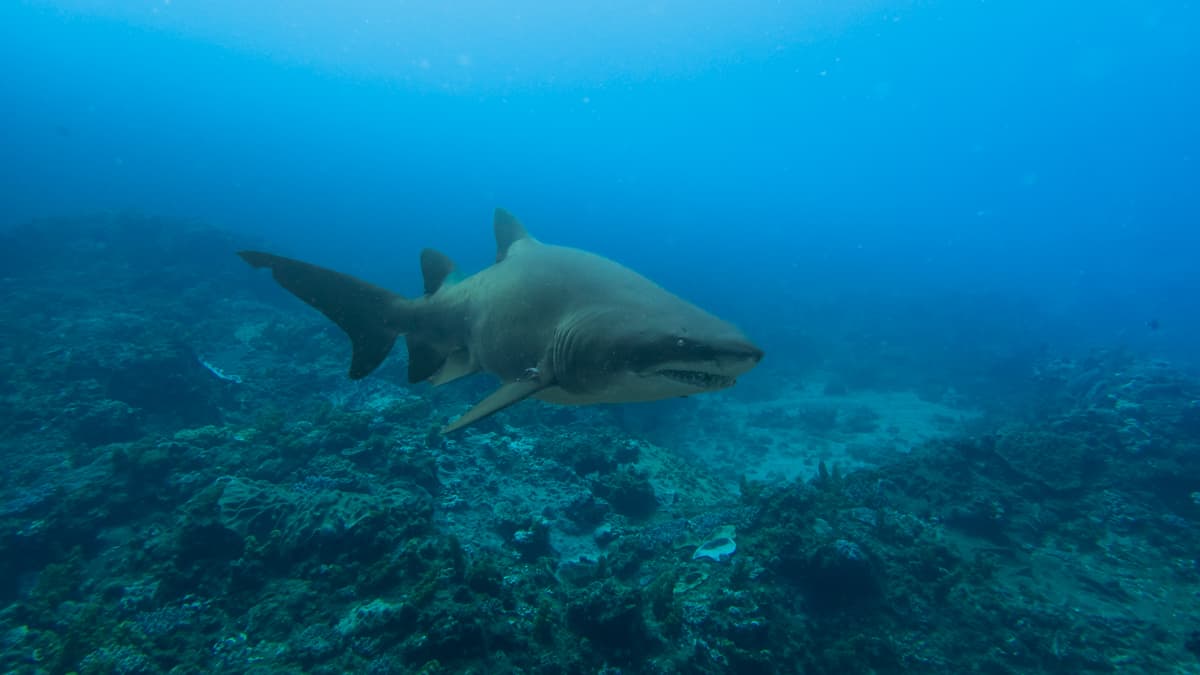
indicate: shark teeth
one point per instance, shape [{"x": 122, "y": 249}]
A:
[{"x": 697, "y": 378}]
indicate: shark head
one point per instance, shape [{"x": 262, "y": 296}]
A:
[{"x": 618, "y": 355}]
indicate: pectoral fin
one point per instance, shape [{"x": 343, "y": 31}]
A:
[{"x": 498, "y": 400}]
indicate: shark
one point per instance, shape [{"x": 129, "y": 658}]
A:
[{"x": 554, "y": 323}]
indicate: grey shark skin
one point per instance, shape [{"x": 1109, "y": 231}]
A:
[{"x": 556, "y": 323}]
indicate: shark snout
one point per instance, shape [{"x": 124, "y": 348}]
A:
[
  {"x": 751, "y": 352},
  {"x": 746, "y": 351},
  {"x": 739, "y": 354}
]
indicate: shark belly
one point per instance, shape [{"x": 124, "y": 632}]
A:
[{"x": 560, "y": 396}]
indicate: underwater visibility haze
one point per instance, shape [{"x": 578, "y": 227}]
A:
[{"x": 965, "y": 235}]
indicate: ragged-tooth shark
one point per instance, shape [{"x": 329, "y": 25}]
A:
[{"x": 556, "y": 323}]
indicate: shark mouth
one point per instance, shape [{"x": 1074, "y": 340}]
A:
[{"x": 697, "y": 378}]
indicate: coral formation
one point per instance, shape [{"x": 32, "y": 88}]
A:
[{"x": 158, "y": 517}]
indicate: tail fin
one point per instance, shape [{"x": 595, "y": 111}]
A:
[{"x": 373, "y": 317}]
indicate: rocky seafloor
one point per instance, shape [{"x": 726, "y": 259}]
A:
[{"x": 191, "y": 485}]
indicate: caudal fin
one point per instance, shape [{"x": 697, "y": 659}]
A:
[{"x": 373, "y": 317}]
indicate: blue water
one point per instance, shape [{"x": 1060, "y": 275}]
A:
[
  {"x": 755, "y": 157},
  {"x": 965, "y": 233}
]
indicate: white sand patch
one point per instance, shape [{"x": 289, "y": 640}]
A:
[{"x": 787, "y": 437}]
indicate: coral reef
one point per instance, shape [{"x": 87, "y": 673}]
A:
[{"x": 191, "y": 486}]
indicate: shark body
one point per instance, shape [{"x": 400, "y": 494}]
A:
[{"x": 556, "y": 323}]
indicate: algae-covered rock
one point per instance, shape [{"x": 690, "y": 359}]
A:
[
  {"x": 117, "y": 659},
  {"x": 335, "y": 521},
  {"x": 1057, "y": 461},
  {"x": 254, "y": 508},
  {"x": 608, "y": 613},
  {"x": 628, "y": 491},
  {"x": 596, "y": 452},
  {"x": 841, "y": 575},
  {"x": 202, "y": 437},
  {"x": 104, "y": 422},
  {"x": 378, "y": 616}
]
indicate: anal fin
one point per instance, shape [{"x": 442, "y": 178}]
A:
[
  {"x": 424, "y": 360},
  {"x": 498, "y": 400}
]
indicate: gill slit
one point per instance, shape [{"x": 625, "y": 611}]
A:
[{"x": 559, "y": 350}]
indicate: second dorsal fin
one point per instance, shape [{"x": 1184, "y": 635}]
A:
[{"x": 436, "y": 268}]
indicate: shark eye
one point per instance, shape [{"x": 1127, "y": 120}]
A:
[{"x": 681, "y": 342}]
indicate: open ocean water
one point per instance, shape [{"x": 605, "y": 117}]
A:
[{"x": 965, "y": 235}]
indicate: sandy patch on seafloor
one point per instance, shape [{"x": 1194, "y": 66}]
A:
[{"x": 787, "y": 437}]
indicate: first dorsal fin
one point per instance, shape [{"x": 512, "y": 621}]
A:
[
  {"x": 508, "y": 231},
  {"x": 436, "y": 267}
]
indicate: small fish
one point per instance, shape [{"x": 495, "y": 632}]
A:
[{"x": 1152, "y": 324}]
